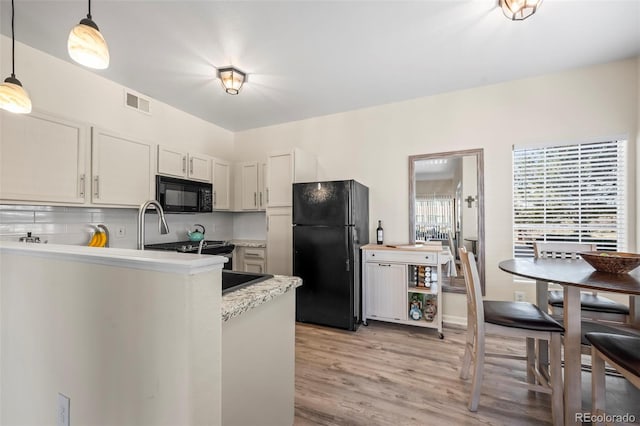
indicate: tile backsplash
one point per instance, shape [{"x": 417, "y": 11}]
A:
[{"x": 74, "y": 225}]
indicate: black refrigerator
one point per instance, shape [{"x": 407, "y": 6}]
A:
[{"x": 330, "y": 223}]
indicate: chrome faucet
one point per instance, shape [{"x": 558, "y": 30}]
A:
[{"x": 163, "y": 228}]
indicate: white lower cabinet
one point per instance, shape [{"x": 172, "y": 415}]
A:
[
  {"x": 402, "y": 286},
  {"x": 250, "y": 259},
  {"x": 42, "y": 159},
  {"x": 279, "y": 241},
  {"x": 386, "y": 294},
  {"x": 122, "y": 170}
]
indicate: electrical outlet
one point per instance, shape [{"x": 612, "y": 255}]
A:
[
  {"x": 518, "y": 296},
  {"x": 121, "y": 231},
  {"x": 64, "y": 403}
]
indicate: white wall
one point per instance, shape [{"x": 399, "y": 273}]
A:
[
  {"x": 68, "y": 90},
  {"x": 127, "y": 346},
  {"x": 435, "y": 187},
  {"x": 372, "y": 145},
  {"x": 71, "y": 91},
  {"x": 73, "y": 225}
]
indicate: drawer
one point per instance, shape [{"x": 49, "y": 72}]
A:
[
  {"x": 254, "y": 253},
  {"x": 399, "y": 256}
]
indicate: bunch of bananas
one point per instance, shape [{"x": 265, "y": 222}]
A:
[{"x": 99, "y": 239}]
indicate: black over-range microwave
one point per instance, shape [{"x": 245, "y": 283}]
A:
[{"x": 183, "y": 196}]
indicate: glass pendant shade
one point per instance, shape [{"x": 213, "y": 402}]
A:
[
  {"x": 13, "y": 97},
  {"x": 518, "y": 10},
  {"x": 87, "y": 47},
  {"x": 232, "y": 79}
]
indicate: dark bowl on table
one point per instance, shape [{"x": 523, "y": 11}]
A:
[{"x": 614, "y": 262}]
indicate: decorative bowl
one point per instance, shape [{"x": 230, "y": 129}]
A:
[{"x": 613, "y": 262}]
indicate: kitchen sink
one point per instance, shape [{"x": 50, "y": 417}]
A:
[{"x": 235, "y": 280}]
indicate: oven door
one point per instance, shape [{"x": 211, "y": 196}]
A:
[{"x": 177, "y": 195}]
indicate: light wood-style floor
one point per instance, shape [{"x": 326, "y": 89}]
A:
[{"x": 387, "y": 374}]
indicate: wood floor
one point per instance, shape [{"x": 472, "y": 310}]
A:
[{"x": 387, "y": 374}]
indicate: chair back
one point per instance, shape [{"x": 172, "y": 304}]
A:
[
  {"x": 560, "y": 250},
  {"x": 451, "y": 244},
  {"x": 475, "y": 308}
]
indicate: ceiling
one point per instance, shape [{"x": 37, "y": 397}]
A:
[{"x": 312, "y": 58}]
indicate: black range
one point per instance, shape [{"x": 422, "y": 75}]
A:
[{"x": 213, "y": 247}]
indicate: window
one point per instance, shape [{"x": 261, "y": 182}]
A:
[
  {"x": 434, "y": 217},
  {"x": 573, "y": 193}
]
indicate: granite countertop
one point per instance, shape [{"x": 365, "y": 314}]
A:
[
  {"x": 249, "y": 243},
  {"x": 237, "y": 302}
]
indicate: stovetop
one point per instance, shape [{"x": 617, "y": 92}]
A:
[{"x": 189, "y": 246}]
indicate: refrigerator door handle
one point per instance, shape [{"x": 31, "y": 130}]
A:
[{"x": 348, "y": 266}]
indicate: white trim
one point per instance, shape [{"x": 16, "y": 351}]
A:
[{"x": 545, "y": 144}]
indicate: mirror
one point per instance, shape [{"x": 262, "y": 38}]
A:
[{"x": 446, "y": 204}]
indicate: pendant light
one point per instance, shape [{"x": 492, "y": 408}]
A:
[
  {"x": 13, "y": 97},
  {"x": 519, "y": 10},
  {"x": 232, "y": 79},
  {"x": 86, "y": 45}
]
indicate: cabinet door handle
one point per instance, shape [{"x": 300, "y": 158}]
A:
[
  {"x": 260, "y": 198},
  {"x": 252, "y": 255},
  {"x": 184, "y": 164},
  {"x": 267, "y": 195},
  {"x": 384, "y": 264},
  {"x": 255, "y": 199},
  {"x": 96, "y": 186},
  {"x": 81, "y": 185},
  {"x": 214, "y": 198},
  {"x": 191, "y": 165}
]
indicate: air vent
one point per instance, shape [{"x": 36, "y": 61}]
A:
[{"x": 137, "y": 102}]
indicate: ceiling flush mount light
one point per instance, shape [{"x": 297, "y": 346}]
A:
[
  {"x": 518, "y": 10},
  {"x": 86, "y": 45},
  {"x": 232, "y": 79},
  {"x": 13, "y": 97}
]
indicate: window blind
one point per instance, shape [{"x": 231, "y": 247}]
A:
[
  {"x": 434, "y": 217},
  {"x": 572, "y": 193}
]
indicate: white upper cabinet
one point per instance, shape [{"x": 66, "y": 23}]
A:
[
  {"x": 284, "y": 169},
  {"x": 249, "y": 186},
  {"x": 262, "y": 185},
  {"x": 42, "y": 159},
  {"x": 199, "y": 167},
  {"x": 122, "y": 170},
  {"x": 221, "y": 181},
  {"x": 173, "y": 162}
]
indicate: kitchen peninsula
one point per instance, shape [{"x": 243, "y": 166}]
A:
[{"x": 137, "y": 337}]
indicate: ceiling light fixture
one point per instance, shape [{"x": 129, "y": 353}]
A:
[
  {"x": 86, "y": 45},
  {"x": 518, "y": 10},
  {"x": 13, "y": 97},
  {"x": 232, "y": 79}
]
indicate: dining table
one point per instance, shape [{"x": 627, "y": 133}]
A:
[{"x": 574, "y": 275}]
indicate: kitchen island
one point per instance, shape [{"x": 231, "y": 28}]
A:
[
  {"x": 258, "y": 353},
  {"x": 129, "y": 337}
]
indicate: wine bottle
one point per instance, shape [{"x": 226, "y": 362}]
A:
[{"x": 379, "y": 233}]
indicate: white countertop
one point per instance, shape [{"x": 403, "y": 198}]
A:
[{"x": 162, "y": 261}]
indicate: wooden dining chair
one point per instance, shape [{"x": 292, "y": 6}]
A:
[
  {"x": 592, "y": 305},
  {"x": 514, "y": 319},
  {"x": 620, "y": 352}
]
